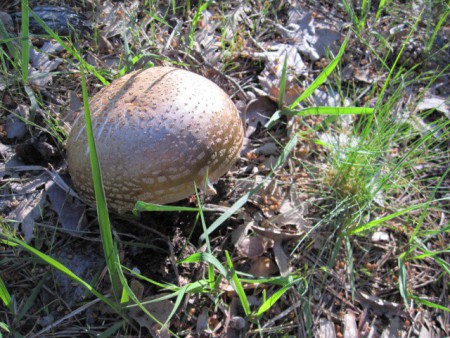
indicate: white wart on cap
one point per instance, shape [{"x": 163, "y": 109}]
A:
[{"x": 159, "y": 132}]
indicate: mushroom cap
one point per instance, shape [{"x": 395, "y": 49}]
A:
[{"x": 158, "y": 133}]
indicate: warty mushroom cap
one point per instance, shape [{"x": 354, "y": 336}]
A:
[{"x": 158, "y": 132}]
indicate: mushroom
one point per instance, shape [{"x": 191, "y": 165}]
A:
[{"x": 159, "y": 133}]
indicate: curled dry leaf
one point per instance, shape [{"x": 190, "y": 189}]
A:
[
  {"x": 431, "y": 102},
  {"x": 252, "y": 247},
  {"x": 263, "y": 267},
  {"x": 278, "y": 236},
  {"x": 267, "y": 149},
  {"x": 292, "y": 211},
  {"x": 258, "y": 112}
]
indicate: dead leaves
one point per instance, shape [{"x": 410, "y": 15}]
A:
[
  {"x": 159, "y": 310},
  {"x": 28, "y": 202},
  {"x": 258, "y": 244}
]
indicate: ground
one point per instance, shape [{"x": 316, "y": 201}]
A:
[{"x": 332, "y": 223}]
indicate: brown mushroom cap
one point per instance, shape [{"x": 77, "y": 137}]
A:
[{"x": 157, "y": 131}]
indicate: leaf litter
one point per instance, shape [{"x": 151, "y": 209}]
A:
[{"x": 286, "y": 211}]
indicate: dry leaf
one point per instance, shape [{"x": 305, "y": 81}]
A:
[
  {"x": 263, "y": 267},
  {"x": 15, "y": 128},
  {"x": 160, "y": 310},
  {"x": 27, "y": 212},
  {"x": 258, "y": 112},
  {"x": 270, "y": 77},
  {"x": 71, "y": 213},
  {"x": 267, "y": 149},
  {"x": 435, "y": 102},
  {"x": 252, "y": 247},
  {"x": 301, "y": 30},
  {"x": 350, "y": 327},
  {"x": 326, "y": 329},
  {"x": 202, "y": 322},
  {"x": 278, "y": 236}
]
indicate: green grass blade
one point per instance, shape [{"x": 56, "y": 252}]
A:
[
  {"x": 4, "y": 327},
  {"x": 430, "y": 304},
  {"x": 323, "y": 76},
  {"x": 402, "y": 279},
  {"x": 430, "y": 200},
  {"x": 112, "y": 330},
  {"x": 237, "y": 286},
  {"x": 394, "y": 65},
  {"x": 195, "y": 21},
  {"x": 29, "y": 303},
  {"x": 138, "y": 302},
  {"x": 377, "y": 222},
  {"x": 73, "y": 53},
  {"x": 269, "y": 302},
  {"x": 64, "y": 270},
  {"x": 143, "y": 206},
  {"x": 25, "y": 40},
  {"x": 205, "y": 257},
  {"x": 111, "y": 254},
  {"x": 283, "y": 83},
  {"x": 208, "y": 243},
  {"x": 438, "y": 27},
  {"x": 244, "y": 199},
  {"x": 5, "y": 296},
  {"x": 180, "y": 295},
  {"x": 380, "y": 9},
  {"x": 314, "y": 85},
  {"x": 12, "y": 55},
  {"x": 338, "y": 111}
]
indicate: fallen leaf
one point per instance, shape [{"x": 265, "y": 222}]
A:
[
  {"x": 326, "y": 329},
  {"x": 117, "y": 19},
  {"x": 207, "y": 41},
  {"x": 257, "y": 113},
  {"x": 292, "y": 212},
  {"x": 60, "y": 19},
  {"x": 7, "y": 21},
  {"x": 278, "y": 236},
  {"x": 270, "y": 77},
  {"x": 15, "y": 127},
  {"x": 263, "y": 267},
  {"x": 27, "y": 212},
  {"x": 202, "y": 322},
  {"x": 434, "y": 102},
  {"x": 350, "y": 327},
  {"x": 41, "y": 64},
  {"x": 160, "y": 310},
  {"x": 252, "y": 247},
  {"x": 267, "y": 149},
  {"x": 71, "y": 213},
  {"x": 392, "y": 330},
  {"x": 301, "y": 31}
]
